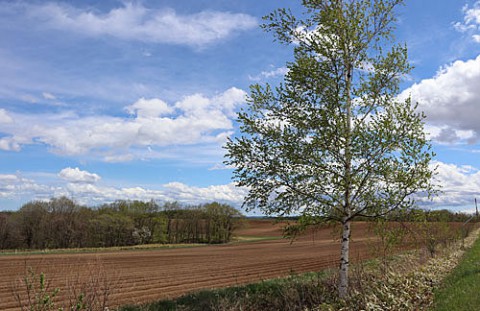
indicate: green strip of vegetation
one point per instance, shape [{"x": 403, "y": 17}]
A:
[
  {"x": 251, "y": 238},
  {"x": 460, "y": 289},
  {"x": 275, "y": 294},
  {"x": 145, "y": 247}
]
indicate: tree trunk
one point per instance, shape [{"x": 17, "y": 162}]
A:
[{"x": 344, "y": 261}]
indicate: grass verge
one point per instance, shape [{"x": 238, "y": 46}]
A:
[
  {"x": 96, "y": 249},
  {"x": 238, "y": 239},
  {"x": 459, "y": 290}
]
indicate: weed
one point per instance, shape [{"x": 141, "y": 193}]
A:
[
  {"x": 88, "y": 289},
  {"x": 32, "y": 292}
]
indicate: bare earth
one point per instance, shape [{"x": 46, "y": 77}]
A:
[{"x": 148, "y": 275}]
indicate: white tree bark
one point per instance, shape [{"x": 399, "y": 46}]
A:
[{"x": 344, "y": 261}]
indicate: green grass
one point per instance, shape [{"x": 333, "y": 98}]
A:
[
  {"x": 252, "y": 238},
  {"x": 96, "y": 249},
  {"x": 238, "y": 239},
  {"x": 461, "y": 289}
]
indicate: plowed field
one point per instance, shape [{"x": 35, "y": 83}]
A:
[{"x": 148, "y": 275}]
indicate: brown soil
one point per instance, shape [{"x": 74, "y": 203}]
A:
[{"x": 144, "y": 276}]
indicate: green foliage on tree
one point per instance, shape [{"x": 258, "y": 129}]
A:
[
  {"x": 333, "y": 142},
  {"x": 61, "y": 223}
]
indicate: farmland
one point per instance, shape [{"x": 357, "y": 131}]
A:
[{"x": 142, "y": 276}]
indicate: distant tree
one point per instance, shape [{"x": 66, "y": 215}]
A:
[
  {"x": 64, "y": 226},
  {"x": 222, "y": 220},
  {"x": 4, "y": 230},
  {"x": 333, "y": 142},
  {"x": 32, "y": 219},
  {"x": 170, "y": 210}
]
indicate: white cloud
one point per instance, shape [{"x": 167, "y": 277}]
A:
[
  {"x": 87, "y": 188},
  {"x": 195, "y": 119},
  {"x": 275, "y": 72},
  {"x": 472, "y": 15},
  {"x": 9, "y": 144},
  {"x": 460, "y": 184},
  {"x": 49, "y": 96},
  {"x": 135, "y": 22},
  {"x": 4, "y": 117},
  {"x": 150, "y": 108},
  {"x": 175, "y": 191},
  {"x": 118, "y": 158},
  {"x": 471, "y": 21},
  {"x": 191, "y": 195},
  {"x": 450, "y": 101},
  {"x": 16, "y": 186},
  {"x": 221, "y": 167},
  {"x": 75, "y": 175}
]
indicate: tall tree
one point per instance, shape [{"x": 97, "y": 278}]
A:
[{"x": 333, "y": 142}]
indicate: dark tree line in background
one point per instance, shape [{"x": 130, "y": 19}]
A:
[
  {"x": 61, "y": 223},
  {"x": 419, "y": 215}
]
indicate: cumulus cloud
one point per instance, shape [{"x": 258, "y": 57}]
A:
[
  {"x": 150, "y": 108},
  {"x": 451, "y": 100},
  {"x": 88, "y": 188},
  {"x": 135, "y": 22},
  {"x": 195, "y": 119},
  {"x": 175, "y": 191},
  {"x": 94, "y": 193},
  {"x": 16, "y": 186},
  {"x": 75, "y": 175},
  {"x": 10, "y": 144},
  {"x": 221, "y": 193},
  {"x": 471, "y": 21},
  {"x": 460, "y": 184}
]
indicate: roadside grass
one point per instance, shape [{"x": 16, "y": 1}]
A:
[
  {"x": 311, "y": 291},
  {"x": 290, "y": 293},
  {"x": 460, "y": 290}
]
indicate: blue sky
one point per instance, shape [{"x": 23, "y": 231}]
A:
[{"x": 105, "y": 100}]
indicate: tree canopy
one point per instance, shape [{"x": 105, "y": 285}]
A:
[{"x": 333, "y": 141}]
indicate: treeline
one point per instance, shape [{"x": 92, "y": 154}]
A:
[
  {"x": 61, "y": 223},
  {"x": 417, "y": 214}
]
